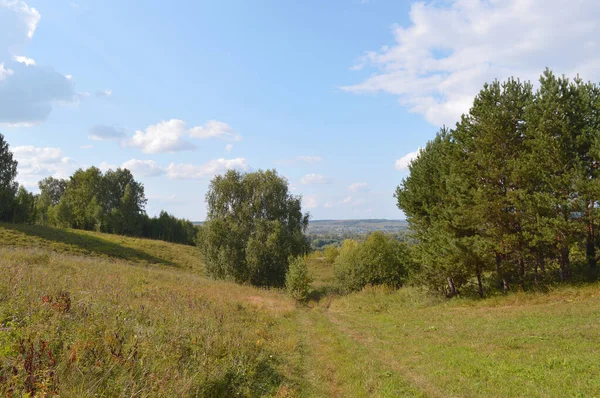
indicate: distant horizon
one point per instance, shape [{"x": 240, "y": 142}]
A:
[{"x": 346, "y": 219}]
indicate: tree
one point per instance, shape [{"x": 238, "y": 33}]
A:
[
  {"x": 24, "y": 207},
  {"x": 8, "y": 185},
  {"x": 510, "y": 196},
  {"x": 298, "y": 280},
  {"x": 51, "y": 191},
  {"x": 254, "y": 225},
  {"x": 81, "y": 206},
  {"x": 125, "y": 202}
]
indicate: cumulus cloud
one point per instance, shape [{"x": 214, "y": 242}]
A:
[
  {"x": 215, "y": 129},
  {"x": 102, "y": 132},
  {"x": 5, "y": 72},
  {"x": 19, "y": 19},
  {"x": 36, "y": 163},
  {"x": 328, "y": 205},
  {"x": 312, "y": 178},
  {"x": 309, "y": 202},
  {"x": 358, "y": 187},
  {"x": 404, "y": 161},
  {"x": 27, "y": 61},
  {"x": 228, "y": 148},
  {"x": 27, "y": 92},
  {"x": 143, "y": 168},
  {"x": 166, "y": 136},
  {"x": 439, "y": 63},
  {"x": 209, "y": 169}
]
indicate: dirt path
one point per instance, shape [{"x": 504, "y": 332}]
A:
[{"x": 338, "y": 365}]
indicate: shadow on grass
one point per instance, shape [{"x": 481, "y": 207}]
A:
[
  {"x": 317, "y": 294},
  {"x": 67, "y": 241}
]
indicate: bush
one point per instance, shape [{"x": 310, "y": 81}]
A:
[
  {"x": 380, "y": 260},
  {"x": 331, "y": 253},
  {"x": 298, "y": 280}
]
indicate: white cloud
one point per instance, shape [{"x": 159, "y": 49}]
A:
[
  {"x": 20, "y": 16},
  {"x": 86, "y": 146},
  {"x": 209, "y": 169},
  {"x": 439, "y": 63},
  {"x": 215, "y": 129},
  {"x": 104, "y": 93},
  {"x": 105, "y": 166},
  {"x": 36, "y": 163},
  {"x": 347, "y": 199},
  {"x": 404, "y": 161},
  {"x": 143, "y": 168},
  {"x": 28, "y": 92},
  {"x": 228, "y": 148},
  {"x": 358, "y": 187},
  {"x": 309, "y": 202},
  {"x": 26, "y": 61},
  {"x": 5, "y": 72},
  {"x": 102, "y": 132},
  {"x": 166, "y": 136},
  {"x": 314, "y": 179},
  {"x": 328, "y": 205}
]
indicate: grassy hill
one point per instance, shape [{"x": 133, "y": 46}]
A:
[{"x": 88, "y": 314}]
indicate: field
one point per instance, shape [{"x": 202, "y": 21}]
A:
[{"x": 88, "y": 314}]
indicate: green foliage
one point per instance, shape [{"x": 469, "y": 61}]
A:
[
  {"x": 509, "y": 195},
  {"x": 8, "y": 185},
  {"x": 298, "y": 279},
  {"x": 331, "y": 253},
  {"x": 253, "y": 227},
  {"x": 380, "y": 260},
  {"x": 24, "y": 207}
]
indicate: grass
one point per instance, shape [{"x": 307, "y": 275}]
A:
[
  {"x": 73, "y": 241},
  {"x": 88, "y": 314}
]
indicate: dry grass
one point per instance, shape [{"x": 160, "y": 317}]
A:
[{"x": 85, "y": 314}]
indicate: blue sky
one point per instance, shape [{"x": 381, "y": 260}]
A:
[{"x": 337, "y": 96}]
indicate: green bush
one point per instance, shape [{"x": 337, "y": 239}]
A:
[
  {"x": 298, "y": 280},
  {"x": 331, "y": 253},
  {"x": 380, "y": 260}
]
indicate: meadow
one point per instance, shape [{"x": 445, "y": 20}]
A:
[{"x": 90, "y": 314}]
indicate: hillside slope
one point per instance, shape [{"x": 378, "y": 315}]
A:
[{"x": 87, "y": 314}]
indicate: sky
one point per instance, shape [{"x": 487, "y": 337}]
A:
[{"x": 337, "y": 95}]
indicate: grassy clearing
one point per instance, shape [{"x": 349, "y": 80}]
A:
[
  {"x": 73, "y": 241},
  {"x": 86, "y": 314}
]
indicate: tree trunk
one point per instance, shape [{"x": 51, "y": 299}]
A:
[
  {"x": 505, "y": 285},
  {"x": 522, "y": 273},
  {"x": 590, "y": 246},
  {"x": 565, "y": 264},
  {"x": 479, "y": 281},
  {"x": 451, "y": 288}
]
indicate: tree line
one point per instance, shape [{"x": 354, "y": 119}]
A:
[
  {"x": 112, "y": 202},
  {"x": 509, "y": 197}
]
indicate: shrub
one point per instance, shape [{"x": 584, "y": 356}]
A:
[
  {"x": 298, "y": 280},
  {"x": 331, "y": 253},
  {"x": 380, "y": 260}
]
